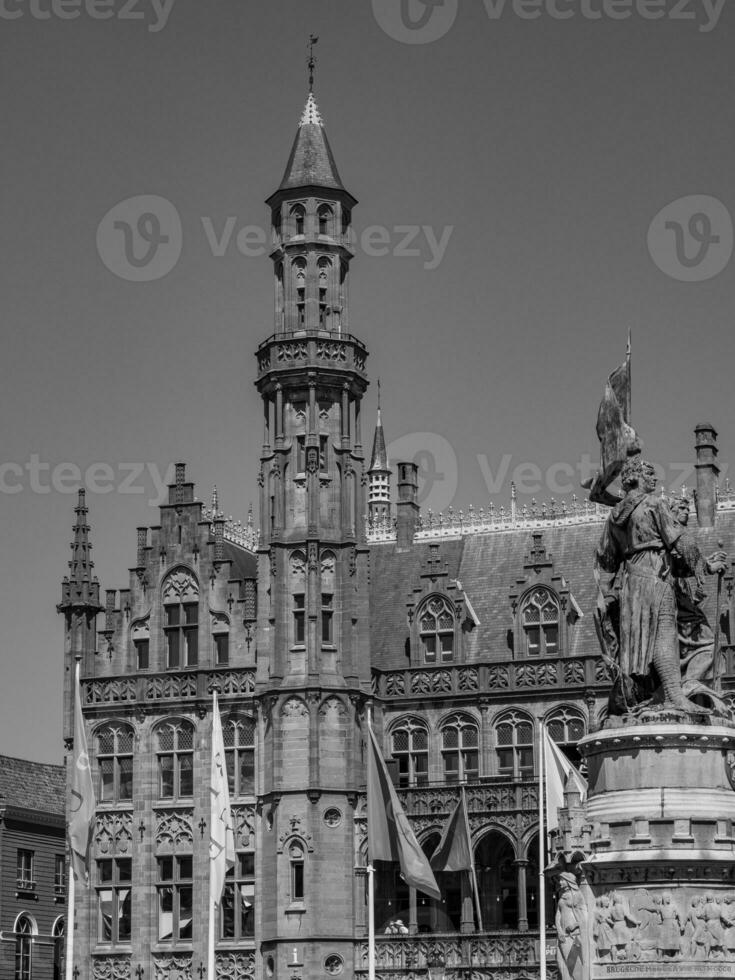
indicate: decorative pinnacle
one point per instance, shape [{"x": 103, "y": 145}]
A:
[
  {"x": 311, "y": 115},
  {"x": 215, "y": 501}
]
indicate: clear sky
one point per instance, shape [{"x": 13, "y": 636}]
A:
[{"x": 538, "y": 151}]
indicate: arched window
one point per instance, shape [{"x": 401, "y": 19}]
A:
[
  {"x": 325, "y": 215},
  {"x": 436, "y": 629},
  {"x": 324, "y": 266},
  {"x": 239, "y": 738},
  {"x": 297, "y": 566},
  {"x": 327, "y": 582},
  {"x": 181, "y": 619},
  {"x": 410, "y": 747},
  {"x": 514, "y": 745},
  {"x": 540, "y": 622},
  {"x": 296, "y": 858},
  {"x": 23, "y": 947},
  {"x": 57, "y": 933},
  {"x": 497, "y": 879},
  {"x": 175, "y": 760},
  {"x": 299, "y": 273},
  {"x": 114, "y": 747},
  {"x": 277, "y": 223},
  {"x": 460, "y": 741},
  {"x": 566, "y": 726},
  {"x": 298, "y": 215}
]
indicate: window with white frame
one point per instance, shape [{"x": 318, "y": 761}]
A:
[
  {"x": 114, "y": 745},
  {"x": 540, "y": 623},
  {"x": 175, "y": 749},
  {"x": 410, "y": 748},
  {"x": 514, "y": 745},
  {"x": 460, "y": 749},
  {"x": 436, "y": 630}
]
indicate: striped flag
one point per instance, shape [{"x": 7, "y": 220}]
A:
[
  {"x": 82, "y": 803},
  {"x": 558, "y": 770},
  {"x": 390, "y": 835}
]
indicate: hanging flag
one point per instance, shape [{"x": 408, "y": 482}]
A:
[
  {"x": 454, "y": 851},
  {"x": 82, "y": 803},
  {"x": 618, "y": 439},
  {"x": 221, "y": 837},
  {"x": 390, "y": 836},
  {"x": 558, "y": 770}
]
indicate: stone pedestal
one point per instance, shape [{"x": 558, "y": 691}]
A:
[{"x": 660, "y": 883}]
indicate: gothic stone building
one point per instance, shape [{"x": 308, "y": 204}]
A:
[{"x": 462, "y": 634}]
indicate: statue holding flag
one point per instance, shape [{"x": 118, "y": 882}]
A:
[{"x": 644, "y": 550}]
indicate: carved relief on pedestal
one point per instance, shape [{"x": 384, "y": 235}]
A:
[{"x": 664, "y": 926}]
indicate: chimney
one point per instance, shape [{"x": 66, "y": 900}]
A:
[
  {"x": 407, "y": 508},
  {"x": 707, "y": 472}
]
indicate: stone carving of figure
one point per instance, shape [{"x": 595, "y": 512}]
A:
[
  {"x": 695, "y": 930},
  {"x": 696, "y": 637},
  {"x": 622, "y": 925},
  {"x": 728, "y": 917},
  {"x": 603, "y": 934},
  {"x": 638, "y": 544},
  {"x": 571, "y": 928},
  {"x": 714, "y": 933},
  {"x": 670, "y": 931}
]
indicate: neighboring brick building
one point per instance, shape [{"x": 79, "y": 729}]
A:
[
  {"x": 32, "y": 870},
  {"x": 462, "y": 633}
]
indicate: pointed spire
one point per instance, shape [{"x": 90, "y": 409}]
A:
[
  {"x": 311, "y": 163},
  {"x": 80, "y": 587},
  {"x": 379, "y": 458},
  {"x": 215, "y": 501}
]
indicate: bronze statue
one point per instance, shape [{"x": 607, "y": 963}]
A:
[{"x": 645, "y": 550}]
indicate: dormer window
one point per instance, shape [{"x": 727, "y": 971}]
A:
[
  {"x": 436, "y": 630},
  {"x": 540, "y": 623}
]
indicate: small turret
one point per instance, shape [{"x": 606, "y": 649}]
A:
[
  {"x": 80, "y": 605},
  {"x": 379, "y": 505}
]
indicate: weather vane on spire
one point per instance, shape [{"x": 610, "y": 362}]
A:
[{"x": 313, "y": 38}]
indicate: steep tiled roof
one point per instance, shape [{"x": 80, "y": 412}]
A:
[
  {"x": 311, "y": 162},
  {"x": 32, "y": 785},
  {"x": 488, "y": 566}
]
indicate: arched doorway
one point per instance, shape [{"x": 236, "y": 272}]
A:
[
  {"x": 58, "y": 936},
  {"x": 497, "y": 881},
  {"x": 391, "y": 896},
  {"x": 532, "y": 888}
]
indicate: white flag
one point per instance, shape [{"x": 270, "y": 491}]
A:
[
  {"x": 558, "y": 770},
  {"x": 82, "y": 804},
  {"x": 221, "y": 837}
]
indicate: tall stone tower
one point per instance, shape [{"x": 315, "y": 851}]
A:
[{"x": 313, "y": 669}]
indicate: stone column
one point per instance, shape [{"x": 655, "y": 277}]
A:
[
  {"x": 413, "y": 918},
  {"x": 467, "y": 924},
  {"x": 522, "y": 898}
]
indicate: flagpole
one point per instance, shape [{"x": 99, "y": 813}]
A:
[
  {"x": 472, "y": 859},
  {"x": 371, "y": 884},
  {"x": 541, "y": 857},
  {"x": 69, "y": 966}
]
